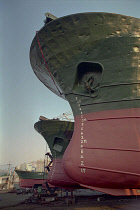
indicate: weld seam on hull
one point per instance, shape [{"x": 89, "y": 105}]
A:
[
  {"x": 114, "y": 101},
  {"x": 108, "y": 170},
  {"x": 113, "y": 118},
  {"x": 110, "y": 85},
  {"x": 60, "y": 180},
  {"x": 43, "y": 179},
  {"x": 118, "y": 149}
]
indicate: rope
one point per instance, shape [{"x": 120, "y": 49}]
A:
[{"x": 46, "y": 63}]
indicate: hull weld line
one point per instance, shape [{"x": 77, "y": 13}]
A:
[
  {"x": 108, "y": 170},
  {"x": 114, "y": 118},
  {"x": 118, "y": 149},
  {"x": 46, "y": 63},
  {"x": 119, "y": 84},
  {"x": 113, "y": 101}
]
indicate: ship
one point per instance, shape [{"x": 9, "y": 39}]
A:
[
  {"x": 58, "y": 134},
  {"x": 92, "y": 60},
  {"x": 29, "y": 179}
]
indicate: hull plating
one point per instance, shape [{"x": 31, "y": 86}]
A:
[
  {"x": 94, "y": 58},
  {"x": 57, "y": 135},
  {"x": 105, "y": 150},
  {"x": 29, "y": 183},
  {"x": 27, "y": 179},
  {"x": 59, "y": 178}
]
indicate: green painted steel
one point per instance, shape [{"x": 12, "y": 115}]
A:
[
  {"x": 57, "y": 135},
  {"x": 31, "y": 175},
  {"x": 94, "y": 56}
]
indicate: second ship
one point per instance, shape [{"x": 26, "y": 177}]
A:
[{"x": 57, "y": 134}]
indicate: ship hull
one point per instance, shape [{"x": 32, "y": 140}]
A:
[
  {"x": 94, "y": 58},
  {"x": 105, "y": 150},
  {"x": 28, "y": 179},
  {"x": 29, "y": 183},
  {"x": 57, "y": 135},
  {"x": 58, "y": 177}
]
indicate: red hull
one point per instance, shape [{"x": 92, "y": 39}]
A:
[
  {"x": 59, "y": 178},
  {"x": 29, "y": 183},
  {"x": 104, "y": 153}
]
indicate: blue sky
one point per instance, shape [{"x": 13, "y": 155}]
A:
[{"x": 23, "y": 98}]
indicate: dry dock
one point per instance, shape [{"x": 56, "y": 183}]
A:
[{"x": 9, "y": 201}]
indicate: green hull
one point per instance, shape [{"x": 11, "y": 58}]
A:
[
  {"x": 31, "y": 175},
  {"x": 57, "y": 135},
  {"x": 28, "y": 179},
  {"x": 102, "y": 46}
]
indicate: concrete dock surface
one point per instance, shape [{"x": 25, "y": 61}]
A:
[{"x": 12, "y": 201}]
